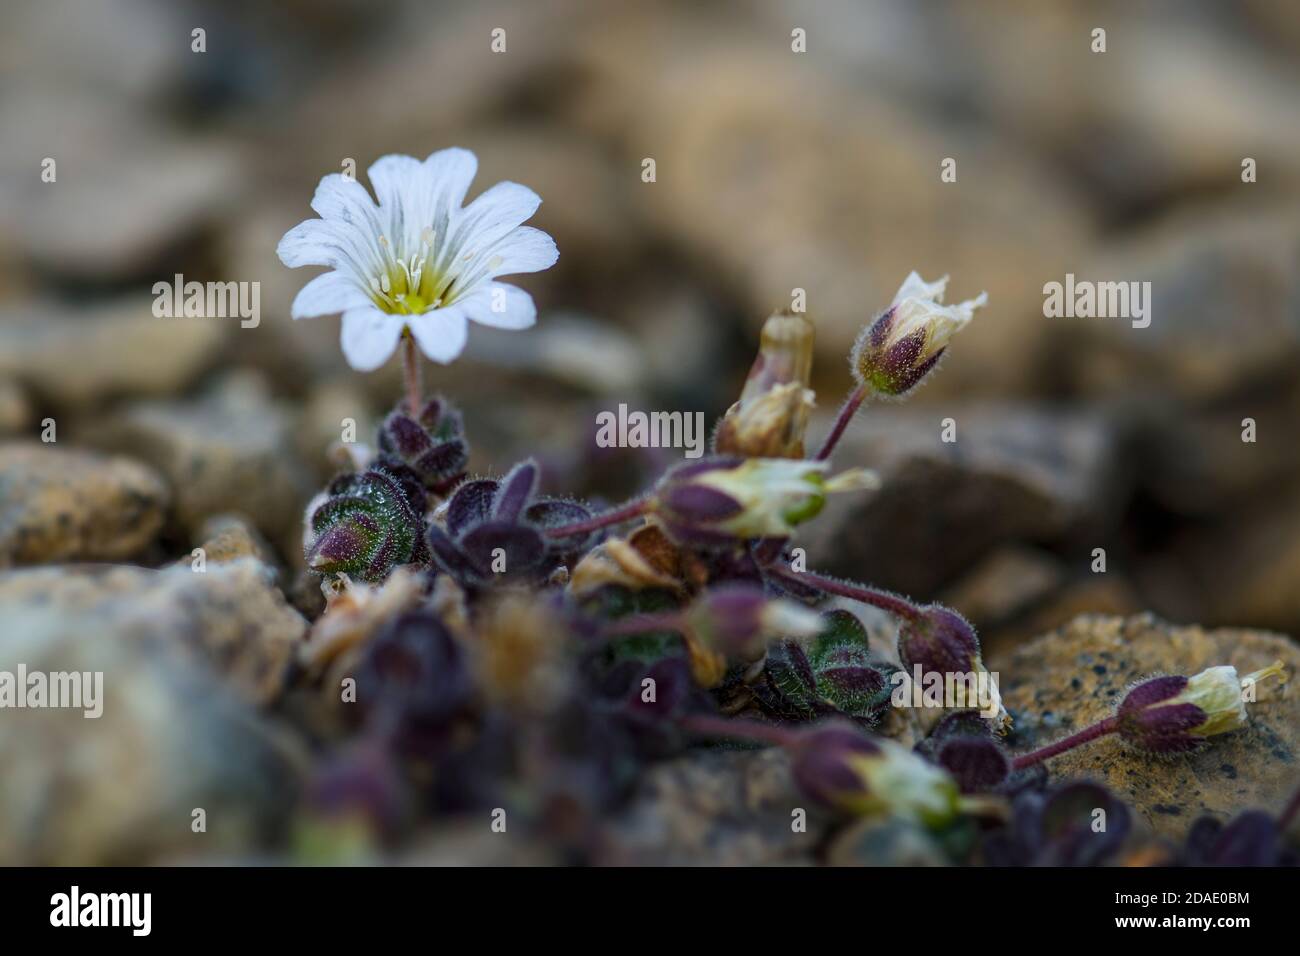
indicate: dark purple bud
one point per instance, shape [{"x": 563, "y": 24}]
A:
[
  {"x": 979, "y": 765},
  {"x": 838, "y": 765},
  {"x": 826, "y": 765},
  {"x": 739, "y": 620},
  {"x": 1075, "y": 824},
  {"x": 413, "y": 680},
  {"x": 1253, "y": 838},
  {"x": 431, "y": 448}
]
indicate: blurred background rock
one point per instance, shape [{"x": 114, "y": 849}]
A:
[{"x": 774, "y": 170}]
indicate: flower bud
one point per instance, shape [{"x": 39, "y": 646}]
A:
[
  {"x": 365, "y": 525},
  {"x": 896, "y": 351},
  {"x": 941, "y": 641},
  {"x": 840, "y": 767},
  {"x": 1175, "y": 714},
  {"x": 719, "y": 500},
  {"x": 738, "y": 621},
  {"x": 431, "y": 445},
  {"x": 770, "y": 419}
]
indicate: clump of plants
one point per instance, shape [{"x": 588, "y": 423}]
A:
[{"x": 518, "y": 651}]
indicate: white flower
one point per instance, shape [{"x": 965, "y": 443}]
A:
[
  {"x": 918, "y": 306},
  {"x": 417, "y": 260},
  {"x": 1217, "y": 691}
]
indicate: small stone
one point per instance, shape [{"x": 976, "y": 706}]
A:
[
  {"x": 1004, "y": 584},
  {"x": 124, "y": 343},
  {"x": 227, "y": 538},
  {"x": 1012, "y": 473},
  {"x": 1223, "y": 296},
  {"x": 61, "y": 504},
  {"x": 230, "y": 451},
  {"x": 1073, "y": 677},
  {"x": 229, "y": 615},
  {"x": 1111, "y": 593},
  {"x": 1191, "y": 579},
  {"x": 123, "y": 788}
]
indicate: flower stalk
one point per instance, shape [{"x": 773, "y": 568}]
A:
[
  {"x": 411, "y": 371},
  {"x": 847, "y": 411},
  {"x": 893, "y": 603},
  {"x": 617, "y": 515},
  {"x": 1087, "y": 735}
]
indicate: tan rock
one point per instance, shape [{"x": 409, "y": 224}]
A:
[
  {"x": 123, "y": 788},
  {"x": 61, "y": 504},
  {"x": 230, "y": 616},
  {"x": 123, "y": 348},
  {"x": 230, "y": 451}
]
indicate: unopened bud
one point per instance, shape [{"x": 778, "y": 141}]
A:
[
  {"x": 739, "y": 621},
  {"x": 940, "y": 640},
  {"x": 366, "y": 525},
  {"x": 896, "y": 351},
  {"x": 720, "y": 500},
  {"x": 770, "y": 419},
  {"x": 1175, "y": 714},
  {"x": 842, "y": 768},
  {"x": 431, "y": 445}
]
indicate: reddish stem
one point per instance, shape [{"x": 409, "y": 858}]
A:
[
  {"x": 900, "y": 607},
  {"x": 1100, "y": 729},
  {"x": 847, "y": 411},
  {"x": 622, "y": 513},
  {"x": 411, "y": 372}
]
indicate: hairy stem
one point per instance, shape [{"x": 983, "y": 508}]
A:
[
  {"x": 847, "y": 411},
  {"x": 1100, "y": 729},
  {"x": 411, "y": 372},
  {"x": 622, "y": 513},
  {"x": 898, "y": 606}
]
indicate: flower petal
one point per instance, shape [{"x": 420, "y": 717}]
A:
[
  {"x": 328, "y": 294},
  {"x": 441, "y": 334},
  {"x": 315, "y": 242},
  {"x": 369, "y": 337},
  {"x": 525, "y": 250},
  {"x": 501, "y": 306},
  {"x": 341, "y": 199},
  {"x": 416, "y": 195},
  {"x": 309, "y": 243},
  {"x": 491, "y": 217}
]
